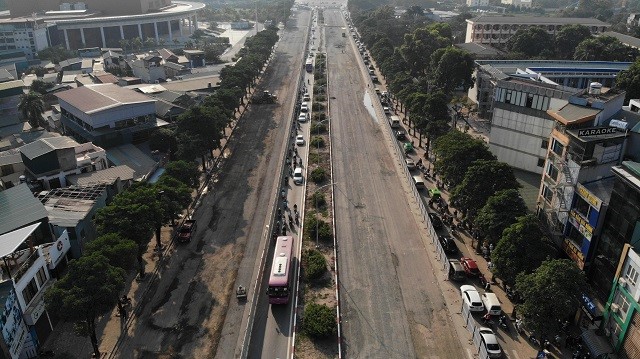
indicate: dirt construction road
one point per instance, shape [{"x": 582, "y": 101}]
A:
[{"x": 391, "y": 304}]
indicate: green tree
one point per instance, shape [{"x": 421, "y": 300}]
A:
[
  {"x": 163, "y": 140},
  {"x": 568, "y": 38},
  {"x": 482, "y": 180},
  {"x": 133, "y": 214},
  {"x": 418, "y": 47},
  {"x": 150, "y": 42},
  {"x": 629, "y": 81},
  {"x": 521, "y": 249},
  {"x": 501, "y": 211},
  {"x": 185, "y": 172},
  {"x": 455, "y": 152},
  {"x": 199, "y": 131},
  {"x": 430, "y": 113},
  {"x": 317, "y": 228},
  {"x": 55, "y": 54},
  {"x": 40, "y": 86},
  {"x": 31, "y": 107},
  {"x": 176, "y": 196},
  {"x": 531, "y": 42},
  {"x": 121, "y": 252},
  {"x": 551, "y": 292},
  {"x": 451, "y": 68},
  {"x": 315, "y": 265},
  {"x": 89, "y": 289},
  {"x": 605, "y": 48},
  {"x": 319, "y": 321},
  {"x": 136, "y": 43}
]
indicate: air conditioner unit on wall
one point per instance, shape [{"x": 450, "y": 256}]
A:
[
  {"x": 615, "y": 308},
  {"x": 623, "y": 282}
]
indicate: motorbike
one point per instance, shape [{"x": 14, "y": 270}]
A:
[{"x": 503, "y": 323}]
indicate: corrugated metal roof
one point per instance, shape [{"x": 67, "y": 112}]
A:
[
  {"x": 572, "y": 113},
  {"x": 106, "y": 176},
  {"x": 19, "y": 208},
  {"x": 46, "y": 145},
  {"x": 11, "y": 85},
  {"x": 94, "y": 98}
]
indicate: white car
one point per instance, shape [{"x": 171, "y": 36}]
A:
[
  {"x": 306, "y": 97},
  {"x": 297, "y": 176},
  {"x": 471, "y": 298},
  {"x": 304, "y": 107},
  {"x": 300, "y": 140},
  {"x": 303, "y": 117},
  {"x": 387, "y": 110},
  {"x": 410, "y": 164},
  {"x": 490, "y": 342}
]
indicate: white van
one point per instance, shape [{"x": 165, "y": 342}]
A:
[
  {"x": 491, "y": 303},
  {"x": 419, "y": 182},
  {"x": 297, "y": 175},
  {"x": 394, "y": 121}
]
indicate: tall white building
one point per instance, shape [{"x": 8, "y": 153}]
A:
[
  {"x": 476, "y": 3},
  {"x": 23, "y": 34},
  {"x": 520, "y": 3}
]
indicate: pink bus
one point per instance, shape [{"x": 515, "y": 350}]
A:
[{"x": 281, "y": 277}]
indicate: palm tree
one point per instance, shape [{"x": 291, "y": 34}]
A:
[{"x": 31, "y": 106}]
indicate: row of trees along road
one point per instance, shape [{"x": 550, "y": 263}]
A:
[
  {"x": 486, "y": 191},
  {"x": 93, "y": 283},
  {"x": 422, "y": 70}
]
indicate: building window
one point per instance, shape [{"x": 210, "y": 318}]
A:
[
  {"x": 540, "y": 162},
  {"x": 582, "y": 207},
  {"x": 557, "y": 147},
  {"x": 544, "y": 144},
  {"x": 547, "y": 193},
  {"x": 42, "y": 277},
  {"x": 631, "y": 275},
  {"x": 30, "y": 291},
  {"x": 552, "y": 172}
]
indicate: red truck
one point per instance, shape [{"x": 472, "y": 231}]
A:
[{"x": 186, "y": 230}]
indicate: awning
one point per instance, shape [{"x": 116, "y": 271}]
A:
[
  {"x": 597, "y": 345},
  {"x": 9, "y": 242}
]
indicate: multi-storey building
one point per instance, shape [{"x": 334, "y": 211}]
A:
[
  {"x": 107, "y": 115},
  {"x": 622, "y": 312},
  {"x": 477, "y": 3},
  {"x": 24, "y": 34},
  {"x": 50, "y": 160},
  {"x": 589, "y": 137},
  {"x": 574, "y": 74},
  {"x": 498, "y": 30},
  {"x": 518, "y": 3},
  {"x": 520, "y": 125}
]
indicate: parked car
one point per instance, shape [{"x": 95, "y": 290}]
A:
[
  {"x": 306, "y": 97},
  {"x": 490, "y": 342},
  {"x": 387, "y": 110},
  {"x": 303, "y": 117},
  {"x": 300, "y": 140},
  {"x": 470, "y": 266},
  {"x": 435, "y": 220},
  {"x": 186, "y": 231},
  {"x": 400, "y": 134},
  {"x": 374, "y": 78},
  {"x": 448, "y": 245},
  {"x": 297, "y": 176},
  {"x": 410, "y": 164},
  {"x": 304, "y": 107},
  {"x": 408, "y": 147},
  {"x": 456, "y": 272},
  {"x": 471, "y": 298}
]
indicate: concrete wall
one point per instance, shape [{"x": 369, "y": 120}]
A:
[{"x": 109, "y": 8}]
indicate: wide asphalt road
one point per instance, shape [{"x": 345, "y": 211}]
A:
[
  {"x": 391, "y": 304},
  {"x": 271, "y": 327}
]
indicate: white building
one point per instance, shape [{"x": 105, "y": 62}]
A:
[
  {"x": 477, "y": 3},
  {"x": 51, "y": 160},
  {"x": 518, "y": 3},
  {"x": 23, "y": 34},
  {"x": 520, "y": 125},
  {"x": 499, "y": 29}
]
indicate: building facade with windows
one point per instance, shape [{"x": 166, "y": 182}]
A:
[
  {"x": 622, "y": 312},
  {"x": 571, "y": 74},
  {"x": 520, "y": 125},
  {"x": 107, "y": 115},
  {"x": 24, "y": 34},
  {"x": 498, "y": 30},
  {"x": 477, "y": 3}
]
